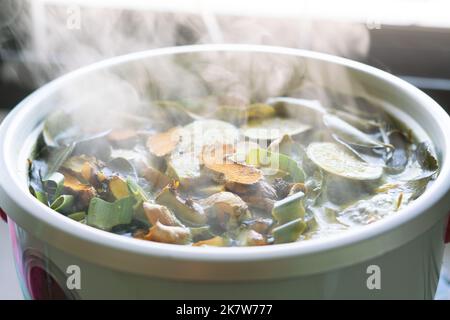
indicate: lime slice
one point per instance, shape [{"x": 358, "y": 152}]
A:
[
  {"x": 273, "y": 128},
  {"x": 200, "y": 133},
  {"x": 335, "y": 159}
]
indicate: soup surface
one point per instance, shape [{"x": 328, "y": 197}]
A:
[{"x": 242, "y": 174}]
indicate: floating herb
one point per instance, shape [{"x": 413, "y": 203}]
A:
[
  {"x": 275, "y": 161},
  {"x": 106, "y": 215}
]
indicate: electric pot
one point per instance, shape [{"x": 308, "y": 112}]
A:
[{"x": 398, "y": 257}]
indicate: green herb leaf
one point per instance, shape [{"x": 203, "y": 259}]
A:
[
  {"x": 106, "y": 215},
  {"x": 349, "y": 134},
  {"x": 77, "y": 216},
  {"x": 58, "y": 157},
  {"x": 201, "y": 233},
  {"x": 277, "y": 161},
  {"x": 137, "y": 191},
  {"x": 57, "y": 127}
]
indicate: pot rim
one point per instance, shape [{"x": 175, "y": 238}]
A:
[{"x": 13, "y": 189}]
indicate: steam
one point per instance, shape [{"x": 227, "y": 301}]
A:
[{"x": 56, "y": 39}]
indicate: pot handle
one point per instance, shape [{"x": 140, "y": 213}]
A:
[{"x": 3, "y": 215}]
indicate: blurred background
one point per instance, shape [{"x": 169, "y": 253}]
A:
[{"x": 43, "y": 39}]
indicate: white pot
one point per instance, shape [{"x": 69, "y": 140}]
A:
[{"x": 398, "y": 257}]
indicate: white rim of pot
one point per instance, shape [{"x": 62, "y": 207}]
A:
[{"x": 13, "y": 186}]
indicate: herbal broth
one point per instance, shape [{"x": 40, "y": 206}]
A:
[{"x": 245, "y": 174}]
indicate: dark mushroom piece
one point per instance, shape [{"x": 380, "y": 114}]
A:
[{"x": 260, "y": 195}]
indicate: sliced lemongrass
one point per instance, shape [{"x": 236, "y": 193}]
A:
[
  {"x": 63, "y": 203},
  {"x": 289, "y": 232}
]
